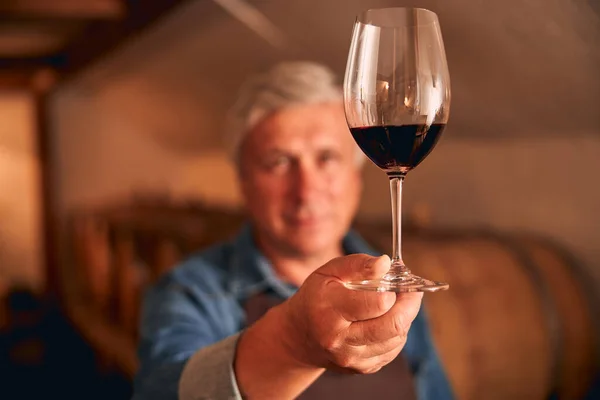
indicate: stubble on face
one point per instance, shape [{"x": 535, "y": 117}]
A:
[{"x": 300, "y": 179}]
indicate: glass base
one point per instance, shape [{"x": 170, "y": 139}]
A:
[{"x": 406, "y": 283}]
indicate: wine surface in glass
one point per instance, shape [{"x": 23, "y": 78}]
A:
[{"x": 397, "y": 148}]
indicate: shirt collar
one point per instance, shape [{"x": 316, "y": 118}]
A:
[{"x": 251, "y": 272}]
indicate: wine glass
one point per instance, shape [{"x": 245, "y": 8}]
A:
[{"x": 397, "y": 102}]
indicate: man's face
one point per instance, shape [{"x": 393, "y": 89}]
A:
[{"x": 300, "y": 179}]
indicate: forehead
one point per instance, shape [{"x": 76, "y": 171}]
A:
[{"x": 301, "y": 127}]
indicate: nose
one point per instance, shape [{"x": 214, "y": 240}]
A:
[{"x": 308, "y": 182}]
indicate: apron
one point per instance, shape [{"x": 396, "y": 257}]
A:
[{"x": 394, "y": 381}]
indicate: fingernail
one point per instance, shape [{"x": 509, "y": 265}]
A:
[{"x": 386, "y": 257}]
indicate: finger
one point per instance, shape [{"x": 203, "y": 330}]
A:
[
  {"x": 379, "y": 348},
  {"x": 365, "y": 365},
  {"x": 355, "y": 267},
  {"x": 358, "y": 305},
  {"x": 396, "y": 322}
]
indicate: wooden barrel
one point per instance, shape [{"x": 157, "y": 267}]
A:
[{"x": 517, "y": 322}]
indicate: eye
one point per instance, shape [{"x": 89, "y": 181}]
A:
[
  {"x": 327, "y": 157},
  {"x": 277, "y": 163}
]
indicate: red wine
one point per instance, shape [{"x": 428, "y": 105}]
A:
[{"x": 397, "y": 149}]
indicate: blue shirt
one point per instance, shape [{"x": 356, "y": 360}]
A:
[{"x": 200, "y": 303}]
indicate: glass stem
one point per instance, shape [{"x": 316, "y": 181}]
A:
[{"x": 398, "y": 269}]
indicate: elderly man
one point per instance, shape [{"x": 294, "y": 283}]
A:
[{"x": 266, "y": 316}]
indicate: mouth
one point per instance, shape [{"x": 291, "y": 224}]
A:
[{"x": 305, "y": 222}]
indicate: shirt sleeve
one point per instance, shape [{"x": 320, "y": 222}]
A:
[
  {"x": 431, "y": 381},
  {"x": 209, "y": 373},
  {"x": 178, "y": 339}
]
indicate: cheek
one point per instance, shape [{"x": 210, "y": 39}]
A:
[
  {"x": 263, "y": 194},
  {"x": 346, "y": 189},
  {"x": 343, "y": 182}
]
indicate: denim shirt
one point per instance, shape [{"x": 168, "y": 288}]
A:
[{"x": 198, "y": 305}]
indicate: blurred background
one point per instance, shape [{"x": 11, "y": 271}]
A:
[{"x": 112, "y": 168}]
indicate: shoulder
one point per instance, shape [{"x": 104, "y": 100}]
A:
[
  {"x": 202, "y": 272},
  {"x": 194, "y": 292}
]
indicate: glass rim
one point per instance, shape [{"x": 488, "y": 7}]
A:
[{"x": 364, "y": 17}]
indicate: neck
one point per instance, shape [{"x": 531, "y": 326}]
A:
[{"x": 293, "y": 267}]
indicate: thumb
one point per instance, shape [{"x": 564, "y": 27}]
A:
[{"x": 356, "y": 267}]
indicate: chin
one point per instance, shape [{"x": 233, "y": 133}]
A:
[{"x": 312, "y": 244}]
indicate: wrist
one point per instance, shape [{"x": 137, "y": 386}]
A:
[
  {"x": 269, "y": 348},
  {"x": 286, "y": 335}
]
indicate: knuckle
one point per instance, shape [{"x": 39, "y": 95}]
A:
[
  {"x": 372, "y": 369},
  {"x": 381, "y": 303},
  {"x": 370, "y": 335},
  {"x": 329, "y": 344},
  {"x": 355, "y": 338},
  {"x": 388, "y": 358},
  {"x": 346, "y": 361},
  {"x": 400, "y": 342},
  {"x": 399, "y": 325}
]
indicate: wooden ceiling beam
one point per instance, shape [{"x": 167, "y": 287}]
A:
[
  {"x": 39, "y": 80},
  {"x": 99, "y": 38},
  {"x": 63, "y": 9},
  {"x": 27, "y": 63},
  {"x": 27, "y": 73},
  {"x": 15, "y": 80},
  {"x": 94, "y": 41}
]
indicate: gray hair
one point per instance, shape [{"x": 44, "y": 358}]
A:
[{"x": 284, "y": 85}]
